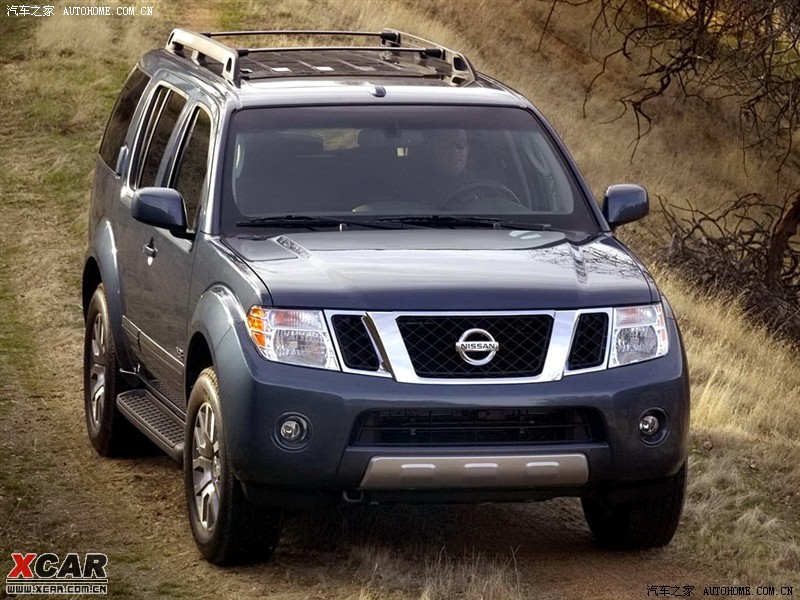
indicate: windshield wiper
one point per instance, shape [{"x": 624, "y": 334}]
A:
[
  {"x": 395, "y": 222},
  {"x": 463, "y": 221},
  {"x": 301, "y": 221}
]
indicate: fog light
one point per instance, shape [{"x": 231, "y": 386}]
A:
[
  {"x": 653, "y": 426},
  {"x": 292, "y": 432},
  {"x": 649, "y": 425}
]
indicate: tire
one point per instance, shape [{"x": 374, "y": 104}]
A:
[
  {"x": 640, "y": 524},
  {"x": 111, "y": 434},
  {"x": 227, "y": 529}
]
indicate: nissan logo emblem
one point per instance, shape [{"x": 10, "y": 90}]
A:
[{"x": 477, "y": 341}]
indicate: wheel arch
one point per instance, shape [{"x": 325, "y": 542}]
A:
[
  {"x": 198, "y": 358},
  {"x": 215, "y": 315},
  {"x": 101, "y": 266},
  {"x": 91, "y": 279}
]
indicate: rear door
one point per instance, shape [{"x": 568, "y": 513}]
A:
[{"x": 111, "y": 196}]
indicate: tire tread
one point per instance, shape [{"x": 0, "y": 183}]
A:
[
  {"x": 647, "y": 523},
  {"x": 244, "y": 533}
]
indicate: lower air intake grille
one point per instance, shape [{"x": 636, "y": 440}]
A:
[
  {"x": 431, "y": 344},
  {"x": 475, "y": 427},
  {"x": 355, "y": 343},
  {"x": 589, "y": 346}
]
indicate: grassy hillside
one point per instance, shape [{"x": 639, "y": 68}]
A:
[{"x": 742, "y": 520}]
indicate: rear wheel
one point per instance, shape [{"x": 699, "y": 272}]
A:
[
  {"x": 639, "y": 524},
  {"x": 226, "y": 527},
  {"x": 111, "y": 434}
]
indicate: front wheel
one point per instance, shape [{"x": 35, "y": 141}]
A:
[
  {"x": 226, "y": 527},
  {"x": 639, "y": 524}
]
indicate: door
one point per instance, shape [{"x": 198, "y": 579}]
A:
[
  {"x": 111, "y": 194},
  {"x": 169, "y": 258}
]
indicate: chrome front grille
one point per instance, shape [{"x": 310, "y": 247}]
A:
[
  {"x": 429, "y": 348},
  {"x": 431, "y": 344}
]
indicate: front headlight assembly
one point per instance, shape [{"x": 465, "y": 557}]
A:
[
  {"x": 639, "y": 333},
  {"x": 295, "y": 337}
]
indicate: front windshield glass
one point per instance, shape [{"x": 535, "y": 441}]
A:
[{"x": 365, "y": 163}]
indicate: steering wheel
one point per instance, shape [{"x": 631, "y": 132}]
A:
[{"x": 472, "y": 191}]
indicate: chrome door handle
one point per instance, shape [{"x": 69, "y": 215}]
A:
[{"x": 150, "y": 250}]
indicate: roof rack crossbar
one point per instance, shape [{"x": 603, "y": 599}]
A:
[
  {"x": 422, "y": 51},
  {"x": 203, "y": 47},
  {"x": 458, "y": 62},
  {"x": 214, "y": 34},
  {"x": 389, "y": 37}
]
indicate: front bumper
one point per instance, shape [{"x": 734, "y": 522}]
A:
[{"x": 255, "y": 393}]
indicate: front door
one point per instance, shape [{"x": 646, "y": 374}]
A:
[{"x": 166, "y": 278}]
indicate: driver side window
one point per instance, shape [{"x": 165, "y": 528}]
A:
[
  {"x": 191, "y": 173},
  {"x": 166, "y": 109}
]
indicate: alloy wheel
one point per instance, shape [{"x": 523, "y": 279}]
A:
[
  {"x": 97, "y": 373},
  {"x": 206, "y": 466}
]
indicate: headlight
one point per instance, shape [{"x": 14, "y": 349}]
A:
[
  {"x": 296, "y": 337},
  {"x": 640, "y": 333}
]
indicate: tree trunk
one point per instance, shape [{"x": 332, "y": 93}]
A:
[{"x": 786, "y": 228}]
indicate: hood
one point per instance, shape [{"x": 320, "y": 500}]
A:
[{"x": 445, "y": 269}]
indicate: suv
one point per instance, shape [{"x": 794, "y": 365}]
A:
[{"x": 369, "y": 274}]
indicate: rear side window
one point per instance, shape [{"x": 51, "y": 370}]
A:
[
  {"x": 192, "y": 170},
  {"x": 121, "y": 116},
  {"x": 167, "y": 118}
]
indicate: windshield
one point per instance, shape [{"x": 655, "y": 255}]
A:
[{"x": 365, "y": 163}]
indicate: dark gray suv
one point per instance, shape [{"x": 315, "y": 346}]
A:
[{"x": 366, "y": 274}]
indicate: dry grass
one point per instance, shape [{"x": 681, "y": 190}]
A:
[
  {"x": 387, "y": 574},
  {"x": 744, "y": 493},
  {"x": 744, "y": 380}
]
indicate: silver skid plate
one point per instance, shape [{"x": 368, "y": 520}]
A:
[{"x": 464, "y": 472}]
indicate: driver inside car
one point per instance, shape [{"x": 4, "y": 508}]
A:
[
  {"x": 454, "y": 180},
  {"x": 449, "y": 155},
  {"x": 451, "y": 151}
]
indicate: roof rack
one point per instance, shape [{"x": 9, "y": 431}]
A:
[{"x": 203, "y": 46}]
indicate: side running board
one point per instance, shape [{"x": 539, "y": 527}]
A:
[{"x": 154, "y": 420}]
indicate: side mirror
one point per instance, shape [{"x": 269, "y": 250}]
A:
[
  {"x": 624, "y": 203},
  {"x": 160, "y": 207}
]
